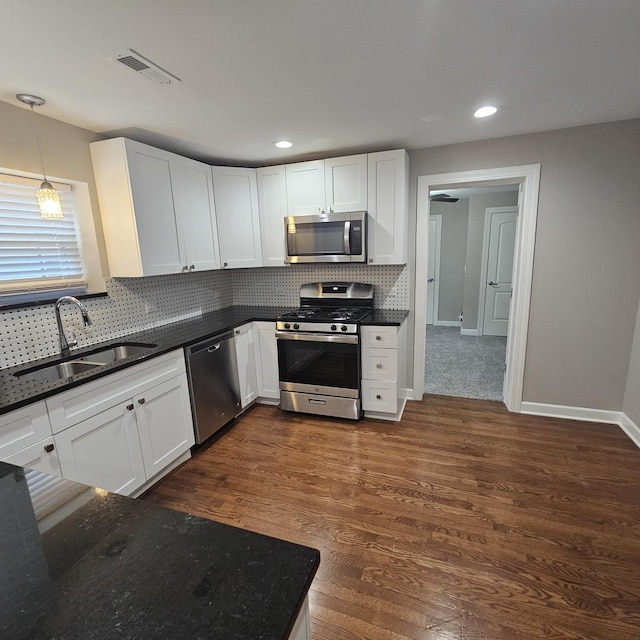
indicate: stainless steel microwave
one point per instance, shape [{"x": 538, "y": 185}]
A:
[{"x": 326, "y": 237}]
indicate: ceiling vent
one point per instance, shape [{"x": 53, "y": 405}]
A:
[{"x": 144, "y": 67}]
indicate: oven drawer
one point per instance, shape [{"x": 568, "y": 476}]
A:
[
  {"x": 380, "y": 364},
  {"x": 380, "y": 395},
  {"x": 379, "y": 337},
  {"x": 320, "y": 405}
]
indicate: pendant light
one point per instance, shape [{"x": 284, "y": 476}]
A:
[{"x": 48, "y": 197}]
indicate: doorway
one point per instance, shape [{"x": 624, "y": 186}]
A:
[
  {"x": 466, "y": 340},
  {"x": 528, "y": 178}
]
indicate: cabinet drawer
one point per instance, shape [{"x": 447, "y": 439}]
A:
[
  {"x": 379, "y": 395},
  {"x": 380, "y": 364},
  {"x": 22, "y": 428},
  {"x": 41, "y": 456},
  {"x": 379, "y": 337},
  {"x": 73, "y": 406}
]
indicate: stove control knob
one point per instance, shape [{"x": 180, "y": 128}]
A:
[
  {"x": 343, "y": 327},
  {"x": 287, "y": 325},
  {"x": 296, "y": 326},
  {"x": 333, "y": 327}
]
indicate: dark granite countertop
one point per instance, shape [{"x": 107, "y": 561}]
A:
[
  {"x": 17, "y": 392},
  {"x": 114, "y": 567}
]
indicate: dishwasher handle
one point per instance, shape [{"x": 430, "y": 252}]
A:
[{"x": 210, "y": 344}]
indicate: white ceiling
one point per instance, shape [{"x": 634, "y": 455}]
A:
[{"x": 336, "y": 76}]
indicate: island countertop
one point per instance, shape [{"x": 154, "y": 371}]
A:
[{"x": 114, "y": 567}]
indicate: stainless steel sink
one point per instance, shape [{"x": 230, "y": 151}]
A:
[{"x": 93, "y": 360}]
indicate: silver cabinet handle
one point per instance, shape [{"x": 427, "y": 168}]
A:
[{"x": 215, "y": 347}]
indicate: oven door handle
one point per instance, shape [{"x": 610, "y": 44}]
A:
[{"x": 317, "y": 337}]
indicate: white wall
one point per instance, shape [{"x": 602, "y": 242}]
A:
[{"x": 586, "y": 279}]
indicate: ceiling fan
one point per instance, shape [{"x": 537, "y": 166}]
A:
[{"x": 443, "y": 197}]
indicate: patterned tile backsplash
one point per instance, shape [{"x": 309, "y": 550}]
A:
[{"x": 134, "y": 304}]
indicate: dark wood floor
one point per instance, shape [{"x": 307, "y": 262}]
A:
[{"x": 462, "y": 522}]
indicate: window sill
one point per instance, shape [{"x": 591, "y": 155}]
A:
[{"x": 36, "y": 299}]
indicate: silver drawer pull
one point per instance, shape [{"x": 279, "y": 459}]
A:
[
  {"x": 215, "y": 347},
  {"x": 312, "y": 401}
]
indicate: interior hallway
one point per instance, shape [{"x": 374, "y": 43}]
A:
[{"x": 464, "y": 366}]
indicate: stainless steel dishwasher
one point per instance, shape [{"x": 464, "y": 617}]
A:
[{"x": 213, "y": 378}]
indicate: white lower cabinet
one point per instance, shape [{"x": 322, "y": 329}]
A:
[
  {"x": 41, "y": 456},
  {"x": 120, "y": 431},
  {"x": 382, "y": 347},
  {"x": 104, "y": 451},
  {"x": 246, "y": 357},
  {"x": 301, "y": 628},
  {"x": 22, "y": 428},
  {"x": 266, "y": 360}
]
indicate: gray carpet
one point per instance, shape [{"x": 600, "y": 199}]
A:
[{"x": 464, "y": 366}]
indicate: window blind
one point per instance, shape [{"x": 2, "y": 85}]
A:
[{"x": 37, "y": 254}]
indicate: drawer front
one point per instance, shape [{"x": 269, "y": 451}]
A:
[
  {"x": 42, "y": 456},
  {"x": 379, "y": 337},
  {"x": 378, "y": 395},
  {"x": 380, "y": 364},
  {"x": 22, "y": 428},
  {"x": 73, "y": 406}
]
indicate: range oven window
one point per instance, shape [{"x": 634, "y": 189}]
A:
[{"x": 326, "y": 364}]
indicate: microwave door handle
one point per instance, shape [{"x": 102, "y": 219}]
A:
[{"x": 347, "y": 237}]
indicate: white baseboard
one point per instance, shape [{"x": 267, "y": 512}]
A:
[
  {"x": 585, "y": 414},
  {"x": 446, "y": 323},
  {"x": 469, "y": 332},
  {"x": 630, "y": 428}
]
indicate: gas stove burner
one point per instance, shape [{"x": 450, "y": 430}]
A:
[
  {"x": 346, "y": 314},
  {"x": 303, "y": 314}
]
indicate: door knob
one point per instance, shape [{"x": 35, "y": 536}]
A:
[{"x": 492, "y": 283}]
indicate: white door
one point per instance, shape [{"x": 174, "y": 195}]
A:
[
  {"x": 104, "y": 451},
  {"x": 235, "y": 193},
  {"x": 346, "y": 183},
  {"x": 163, "y": 414},
  {"x": 433, "y": 277},
  {"x": 246, "y": 357},
  {"x": 272, "y": 202},
  {"x": 195, "y": 214},
  {"x": 501, "y": 225},
  {"x": 305, "y": 188}
]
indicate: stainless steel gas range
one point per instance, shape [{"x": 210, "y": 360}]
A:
[{"x": 319, "y": 349}]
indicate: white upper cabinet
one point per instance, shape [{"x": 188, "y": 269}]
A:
[
  {"x": 388, "y": 207},
  {"x": 193, "y": 201},
  {"x": 236, "y": 204},
  {"x": 272, "y": 200},
  {"x": 346, "y": 184},
  {"x": 305, "y": 188},
  {"x": 156, "y": 209}
]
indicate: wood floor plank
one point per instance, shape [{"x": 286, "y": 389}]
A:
[{"x": 461, "y": 522}]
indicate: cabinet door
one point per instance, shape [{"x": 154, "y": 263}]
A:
[
  {"x": 104, "y": 451},
  {"x": 346, "y": 183},
  {"x": 23, "y": 427},
  {"x": 195, "y": 214},
  {"x": 388, "y": 207},
  {"x": 305, "y": 188},
  {"x": 152, "y": 197},
  {"x": 245, "y": 354},
  {"x": 266, "y": 359},
  {"x": 272, "y": 200},
  {"x": 41, "y": 456},
  {"x": 163, "y": 414},
  {"x": 236, "y": 202}
]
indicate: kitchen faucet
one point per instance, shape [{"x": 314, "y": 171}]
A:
[{"x": 65, "y": 345}]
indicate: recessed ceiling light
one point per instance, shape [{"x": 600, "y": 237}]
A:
[
  {"x": 485, "y": 112},
  {"x": 284, "y": 144}
]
